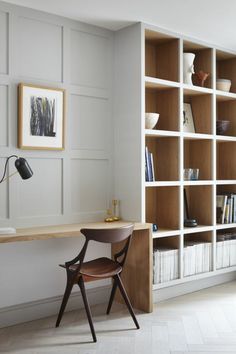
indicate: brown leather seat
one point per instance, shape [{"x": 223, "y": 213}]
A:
[{"x": 79, "y": 272}]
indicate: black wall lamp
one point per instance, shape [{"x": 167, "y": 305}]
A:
[{"x": 22, "y": 167}]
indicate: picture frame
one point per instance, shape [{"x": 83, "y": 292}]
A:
[
  {"x": 188, "y": 120},
  {"x": 41, "y": 117}
]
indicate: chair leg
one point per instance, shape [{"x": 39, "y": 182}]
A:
[
  {"x": 66, "y": 296},
  {"x": 125, "y": 296},
  {"x": 87, "y": 308},
  {"x": 113, "y": 291}
]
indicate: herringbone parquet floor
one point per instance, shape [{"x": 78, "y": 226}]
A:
[{"x": 201, "y": 322}]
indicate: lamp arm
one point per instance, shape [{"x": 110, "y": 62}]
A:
[{"x": 5, "y": 168}]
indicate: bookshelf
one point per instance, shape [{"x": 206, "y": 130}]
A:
[{"x": 154, "y": 64}]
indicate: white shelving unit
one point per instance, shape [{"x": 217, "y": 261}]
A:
[{"x": 149, "y": 77}]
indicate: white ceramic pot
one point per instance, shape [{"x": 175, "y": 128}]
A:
[
  {"x": 151, "y": 120},
  {"x": 223, "y": 84}
]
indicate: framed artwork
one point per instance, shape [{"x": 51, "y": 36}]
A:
[
  {"x": 41, "y": 117},
  {"x": 188, "y": 121}
]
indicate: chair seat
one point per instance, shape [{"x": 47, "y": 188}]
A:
[{"x": 98, "y": 268}]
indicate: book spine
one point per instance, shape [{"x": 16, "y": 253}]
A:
[
  {"x": 152, "y": 165},
  {"x": 147, "y": 165}
]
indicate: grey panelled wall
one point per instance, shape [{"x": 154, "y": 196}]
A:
[{"x": 68, "y": 186}]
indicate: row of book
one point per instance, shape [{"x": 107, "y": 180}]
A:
[
  {"x": 165, "y": 264},
  {"x": 226, "y": 208},
  {"x": 197, "y": 257},
  {"x": 149, "y": 166},
  {"x": 225, "y": 251}
]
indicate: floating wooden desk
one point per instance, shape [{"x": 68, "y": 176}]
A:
[{"x": 137, "y": 275}]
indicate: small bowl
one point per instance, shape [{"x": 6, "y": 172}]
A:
[
  {"x": 223, "y": 84},
  {"x": 151, "y": 120},
  {"x": 222, "y": 126}
]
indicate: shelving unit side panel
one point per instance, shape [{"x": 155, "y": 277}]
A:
[{"x": 129, "y": 122}]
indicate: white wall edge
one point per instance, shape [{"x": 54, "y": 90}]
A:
[
  {"x": 192, "y": 286},
  {"x": 34, "y": 310}
]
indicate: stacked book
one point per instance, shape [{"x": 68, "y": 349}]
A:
[
  {"x": 165, "y": 264},
  {"x": 225, "y": 251},
  {"x": 197, "y": 257},
  {"x": 149, "y": 166},
  {"x": 226, "y": 208}
]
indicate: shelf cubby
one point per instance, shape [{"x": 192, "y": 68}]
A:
[
  {"x": 226, "y": 248},
  {"x": 226, "y": 110},
  {"x": 199, "y": 201},
  {"x": 202, "y": 61},
  {"x": 201, "y": 105},
  {"x": 197, "y": 255},
  {"x": 161, "y": 56},
  {"x": 194, "y": 150},
  {"x": 226, "y": 168},
  {"x": 166, "y": 259},
  {"x": 166, "y": 103},
  {"x": 226, "y": 67},
  {"x": 162, "y": 207},
  {"x": 165, "y": 152}
]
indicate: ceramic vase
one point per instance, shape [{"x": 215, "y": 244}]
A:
[{"x": 188, "y": 67}]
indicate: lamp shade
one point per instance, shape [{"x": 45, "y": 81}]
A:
[{"x": 23, "y": 168}]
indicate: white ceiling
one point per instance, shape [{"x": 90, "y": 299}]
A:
[{"x": 213, "y": 21}]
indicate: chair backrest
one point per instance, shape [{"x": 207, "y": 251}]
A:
[
  {"x": 105, "y": 236},
  {"x": 108, "y": 235}
]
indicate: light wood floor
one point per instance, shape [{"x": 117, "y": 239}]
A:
[{"x": 201, "y": 322}]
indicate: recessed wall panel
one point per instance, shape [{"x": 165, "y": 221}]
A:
[
  {"x": 89, "y": 185},
  {"x": 40, "y": 50},
  {"x": 89, "y": 59},
  {"x": 3, "y": 115},
  {"x": 89, "y": 123},
  {"x": 3, "y": 43},
  {"x": 41, "y": 195}
]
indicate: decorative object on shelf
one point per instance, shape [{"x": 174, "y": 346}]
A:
[
  {"x": 195, "y": 174},
  {"x": 187, "y": 221},
  {"x": 222, "y": 126},
  {"x": 24, "y": 170},
  {"x": 116, "y": 209},
  {"x": 154, "y": 227},
  {"x": 223, "y": 84},
  {"x": 151, "y": 120},
  {"x": 188, "y": 121},
  {"x": 188, "y": 67},
  {"x": 201, "y": 77},
  {"x": 191, "y": 174},
  {"x": 41, "y": 117}
]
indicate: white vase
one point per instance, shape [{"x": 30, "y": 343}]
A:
[{"x": 188, "y": 67}]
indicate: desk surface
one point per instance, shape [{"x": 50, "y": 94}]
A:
[{"x": 61, "y": 231}]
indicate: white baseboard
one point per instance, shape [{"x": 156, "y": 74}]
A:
[
  {"x": 48, "y": 307},
  {"x": 190, "y": 287}
]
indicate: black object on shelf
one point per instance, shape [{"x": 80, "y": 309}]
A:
[{"x": 187, "y": 221}]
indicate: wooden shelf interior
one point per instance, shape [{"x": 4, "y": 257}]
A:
[
  {"x": 165, "y": 152},
  {"x": 162, "y": 207},
  {"x": 194, "y": 151},
  {"x": 226, "y": 189},
  {"x": 226, "y": 68},
  {"x": 199, "y": 200},
  {"x": 226, "y": 110},
  {"x": 202, "y": 61},
  {"x": 226, "y": 166},
  {"x": 202, "y": 112},
  {"x": 199, "y": 236},
  {"x": 166, "y": 103},
  {"x": 161, "y": 56}
]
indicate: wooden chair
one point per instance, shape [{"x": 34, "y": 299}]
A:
[{"x": 100, "y": 268}]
